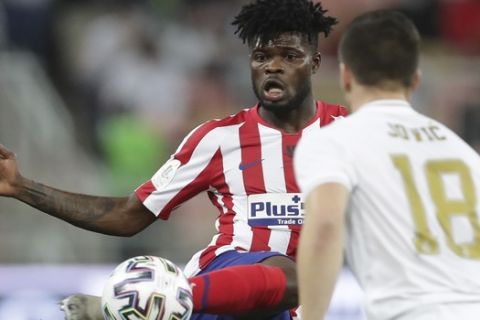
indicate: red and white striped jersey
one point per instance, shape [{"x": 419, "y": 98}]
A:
[{"x": 245, "y": 166}]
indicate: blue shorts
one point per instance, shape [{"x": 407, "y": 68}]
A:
[{"x": 234, "y": 258}]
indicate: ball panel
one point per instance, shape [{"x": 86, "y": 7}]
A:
[{"x": 147, "y": 288}]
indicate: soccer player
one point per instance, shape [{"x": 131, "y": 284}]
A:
[
  {"x": 245, "y": 164},
  {"x": 398, "y": 190}
]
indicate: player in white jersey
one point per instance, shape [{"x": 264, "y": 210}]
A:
[
  {"x": 243, "y": 162},
  {"x": 397, "y": 190}
]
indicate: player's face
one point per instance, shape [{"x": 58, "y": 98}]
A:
[{"x": 281, "y": 71}]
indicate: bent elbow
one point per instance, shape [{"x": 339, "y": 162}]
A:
[
  {"x": 127, "y": 234},
  {"x": 131, "y": 228},
  {"x": 129, "y": 231}
]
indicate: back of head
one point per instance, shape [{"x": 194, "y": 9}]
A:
[{"x": 381, "y": 48}]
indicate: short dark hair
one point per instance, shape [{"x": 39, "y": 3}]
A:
[
  {"x": 266, "y": 19},
  {"x": 381, "y": 47}
]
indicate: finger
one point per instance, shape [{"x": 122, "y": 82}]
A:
[{"x": 5, "y": 153}]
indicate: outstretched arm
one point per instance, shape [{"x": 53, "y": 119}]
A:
[{"x": 114, "y": 216}]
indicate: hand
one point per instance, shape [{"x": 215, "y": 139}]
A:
[{"x": 9, "y": 176}]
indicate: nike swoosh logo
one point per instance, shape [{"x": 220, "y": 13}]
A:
[{"x": 244, "y": 166}]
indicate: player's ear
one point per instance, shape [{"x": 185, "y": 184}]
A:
[
  {"x": 316, "y": 61},
  {"x": 417, "y": 77},
  {"x": 345, "y": 77}
]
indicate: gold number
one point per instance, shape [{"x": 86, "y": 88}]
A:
[
  {"x": 446, "y": 209},
  {"x": 424, "y": 240}
]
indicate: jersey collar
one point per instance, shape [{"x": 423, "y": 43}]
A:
[
  {"x": 387, "y": 103},
  {"x": 259, "y": 119}
]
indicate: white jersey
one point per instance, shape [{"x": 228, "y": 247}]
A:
[{"x": 413, "y": 221}]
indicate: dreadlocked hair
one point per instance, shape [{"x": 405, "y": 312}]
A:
[{"x": 269, "y": 18}]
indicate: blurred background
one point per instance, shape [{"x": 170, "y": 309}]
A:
[{"x": 95, "y": 96}]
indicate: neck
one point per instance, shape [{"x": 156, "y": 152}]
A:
[
  {"x": 290, "y": 120},
  {"x": 362, "y": 95}
]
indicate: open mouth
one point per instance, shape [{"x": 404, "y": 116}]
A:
[{"x": 273, "y": 89}]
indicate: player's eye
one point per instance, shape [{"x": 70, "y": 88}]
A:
[
  {"x": 291, "y": 56},
  {"x": 259, "y": 57}
]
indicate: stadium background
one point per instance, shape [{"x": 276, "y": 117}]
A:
[{"x": 94, "y": 96}]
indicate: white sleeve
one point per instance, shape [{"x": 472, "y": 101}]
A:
[{"x": 320, "y": 158}]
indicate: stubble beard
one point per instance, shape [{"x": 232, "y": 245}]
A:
[{"x": 285, "y": 106}]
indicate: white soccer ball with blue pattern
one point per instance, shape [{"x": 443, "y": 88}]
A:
[{"x": 147, "y": 288}]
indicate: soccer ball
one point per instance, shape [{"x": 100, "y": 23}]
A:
[{"x": 147, "y": 288}]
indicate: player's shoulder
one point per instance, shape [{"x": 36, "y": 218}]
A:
[
  {"x": 210, "y": 134},
  {"x": 332, "y": 108},
  {"x": 338, "y": 125},
  {"x": 329, "y": 112},
  {"x": 230, "y": 121}
]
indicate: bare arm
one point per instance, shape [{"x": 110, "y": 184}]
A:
[
  {"x": 320, "y": 248},
  {"x": 114, "y": 216}
]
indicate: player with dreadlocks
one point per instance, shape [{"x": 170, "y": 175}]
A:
[{"x": 243, "y": 162}]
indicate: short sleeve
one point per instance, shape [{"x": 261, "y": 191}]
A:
[
  {"x": 321, "y": 158},
  {"x": 185, "y": 174}
]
